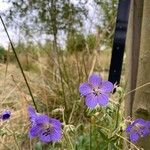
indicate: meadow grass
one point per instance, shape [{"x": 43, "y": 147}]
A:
[{"x": 55, "y": 87}]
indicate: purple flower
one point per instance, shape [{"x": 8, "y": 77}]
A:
[
  {"x": 32, "y": 114},
  {"x": 138, "y": 128},
  {"x": 5, "y": 115},
  {"x": 47, "y": 129},
  {"x": 96, "y": 91}
]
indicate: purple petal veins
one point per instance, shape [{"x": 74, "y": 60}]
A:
[
  {"x": 95, "y": 80},
  {"x": 47, "y": 129},
  {"x": 96, "y": 91},
  {"x": 91, "y": 101},
  {"x": 102, "y": 99},
  {"x": 85, "y": 89},
  {"x": 107, "y": 87}
]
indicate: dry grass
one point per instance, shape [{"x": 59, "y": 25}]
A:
[{"x": 54, "y": 85}]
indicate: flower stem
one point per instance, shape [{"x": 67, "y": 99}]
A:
[{"x": 118, "y": 109}]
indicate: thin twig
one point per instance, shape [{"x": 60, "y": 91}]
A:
[
  {"x": 118, "y": 110},
  {"x": 148, "y": 83},
  {"x": 127, "y": 141}
]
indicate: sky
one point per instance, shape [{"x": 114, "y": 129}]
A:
[
  {"x": 89, "y": 25},
  {"x": 3, "y": 38}
]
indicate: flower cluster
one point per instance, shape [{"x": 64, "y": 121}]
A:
[
  {"x": 5, "y": 115},
  {"x": 138, "y": 128},
  {"x": 47, "y": 129},
  {"x": 96, "y": 91}
]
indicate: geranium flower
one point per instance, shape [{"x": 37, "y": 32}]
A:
[
  {"x": 96, "y": 91},
  {"x": 5, "y": 115},
  {"x": 47, "y": 129},
  {"x": 138, "y": 128}
]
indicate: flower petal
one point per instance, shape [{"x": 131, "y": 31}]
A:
[
  {"x": 85, "y": 89},
  {"x": 140, "y": 121},
  {"x": 45, "y": 137},
  {"x": 41, "y": 119},
  {"x": 54, "y": 135},
  {"x": 5, "y": 115},
  {"x": 102, "y": 99},
  {"x": 107, "y": 87},
  {"x": 148, "y": 124},
  {"x": 31, "y": 110},
  {"x": 91, "y": 101},
  {"x": 32, "y": 113},
  {"x": 95, "y": 80},
  {"x": 134, "y": 137},
  {"x": 128, "y": 129},
  {"x": 56, "y": 123},
  {"x": 34, "y": 131},
  {"x": 137, "y": 121},
  {"x": 143, "y": 132}
]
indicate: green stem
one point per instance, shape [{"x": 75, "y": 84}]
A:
[
  {"x": 118, "y": 109},
  {"x": 90, "y": 136}
]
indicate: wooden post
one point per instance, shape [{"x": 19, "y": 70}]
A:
[
  {"x": 141, "y": 105},
  {"x": 133, "y": 49}
]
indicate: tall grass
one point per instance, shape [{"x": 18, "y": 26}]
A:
[{"x": 55, "y": 89}]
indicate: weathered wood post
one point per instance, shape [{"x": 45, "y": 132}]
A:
[
  {"x": 141, "y": 105},
  {"x": 132, "y": 51}
]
